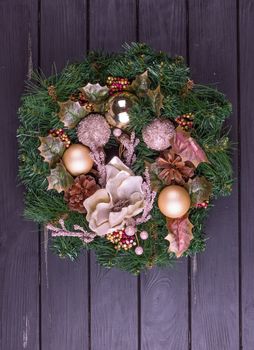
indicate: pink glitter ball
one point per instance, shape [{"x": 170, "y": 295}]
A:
[
  {"x": 93, "y": 131},
  {"x": 130, "y": 230},
  {"x": 144, "y": 235},
  {"x": 139, "y": 250},
  {"x": 157, "y": 135},
  {"x": 117, "y": 132}
]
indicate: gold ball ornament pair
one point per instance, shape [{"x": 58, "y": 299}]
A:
[
  {"x": 77, "y": 160},
  {"x": 174, "y": 201}
]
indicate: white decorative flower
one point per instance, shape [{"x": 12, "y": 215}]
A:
[{"x": 123, "y": 198}]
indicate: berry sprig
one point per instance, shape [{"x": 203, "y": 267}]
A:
[
  {"x": 117, "y": 84},
  {"x": 202, "y": 205},
  {"x": 121, "y": 240},
  {"x": 185, "y": 121},
  {"x": 62, "y": 136}
]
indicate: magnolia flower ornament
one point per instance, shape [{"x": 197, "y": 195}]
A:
[{"x": 109, "y": 209}]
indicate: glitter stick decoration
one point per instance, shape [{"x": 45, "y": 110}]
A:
[
  {"x": 149, "y": 199},
  {"x": 129, "y": 143},
  {"x": 98, "y": 157},
  {"x": 79, "y": 232}
]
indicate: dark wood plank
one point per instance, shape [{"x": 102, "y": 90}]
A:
[
  {"x": 113, "y": 293},
  {"x": 164, "y": 308},
  {"x": 168, "y": 31},
  {"x": 246, "y": 50},
  {"x": 64, "y": 283},
  {"x": 164, "y": 292},
  {"x": 114, "y": 320},
  {"x": 19, "y": 259},
  {"x": 213, "y": 59},
  {"x": 112, "y": 23},
  {"x": 63, "y": 32}
]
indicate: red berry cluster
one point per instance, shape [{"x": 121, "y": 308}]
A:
[
  {"x": 117, "y": 84},
  {"x": 203, "y": 205},
  {"x": 185, "y": 121},
  {"x": 121, "y": 240},
  {"x": 62, "y": 136}
]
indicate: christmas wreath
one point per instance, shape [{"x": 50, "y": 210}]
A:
[{"x": 122, "y": 154}]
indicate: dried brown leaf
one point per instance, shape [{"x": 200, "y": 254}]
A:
[
  {"x": 59, "y": 178},
  {"x": 200, "y": 189},
  {"x": 71, "y": 113},
  {"x": 140, "y": 84},
  {"x": 180, "y": 235},
  {"x": 188, "y": 148},
  {"x": 95, "y": 92},
  {"x": 51, "y": 149},
  {"x": 156, "y": 98}
]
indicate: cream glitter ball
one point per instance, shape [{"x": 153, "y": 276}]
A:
[
  {"x": 157, "y": 134},
  {"x": 93, "y": 131}
]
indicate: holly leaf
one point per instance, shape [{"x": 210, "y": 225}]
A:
[
  {"x": 188, "y": 148},
  {"x": 156, "y": 98},
  {"x": 59, "y": 178},
  {"x": 71, "y": 113},
  {"x": 180, "y": 235},
  {"x": 51, "y": 149},
  {"x": 200, "y": 189},
  {"x": 95, "y": 92},
  {"x": 140, "y": 84},
  {"x": 156, "y": 183}
]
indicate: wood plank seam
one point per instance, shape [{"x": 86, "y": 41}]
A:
[{"x": 239, "y": 172}]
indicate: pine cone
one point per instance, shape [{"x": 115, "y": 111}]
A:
[
  {"x": 83, "y": 187},
  {"x": 172, "y": 169}
]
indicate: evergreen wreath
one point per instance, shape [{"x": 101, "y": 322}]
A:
[{"x": 122, "y": 154}]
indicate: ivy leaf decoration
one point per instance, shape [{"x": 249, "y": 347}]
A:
[
  {"x": 59, "y": 178},
  {"x": 95, "y": 92},
  {"x": 156, "y": 98},
  {"x": 71, "y": 113},
  {"x": 156, "y": 183},
  {"x": 140, "y": 84},
  {"x": 188, "y": 148},
  {"x": 180, "y": 235},
  {"x": 200, "y": 189},
  {"x": 51, "y": 149}
]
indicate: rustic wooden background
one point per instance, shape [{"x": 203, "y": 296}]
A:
[{"x": 206, "y": 303}]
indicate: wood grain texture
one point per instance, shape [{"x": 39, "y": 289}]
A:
[
  {"x": 65, "y": 289},
  {"x": 215, "y": 295},
  {"x": 19, "y": 279},
  {"x": 246, "y": 51},
  {"x": 106, "y": 309},
  {"x": 164, "y": 308},
  {"x": 114, "y": 318},
  {"x": 112, "y": 23},
  {"x": 63, "y": 32},
  {"x": 164, "y": 292},
  {"x": 162, "y": 24},
  {"x": 64, "y": 302}
]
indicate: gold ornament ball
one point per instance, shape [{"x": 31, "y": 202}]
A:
[
  {"x": 77, "y": 159},
  {"x": 118, "y": 109},
  {"x": 174, "y": 201}
]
